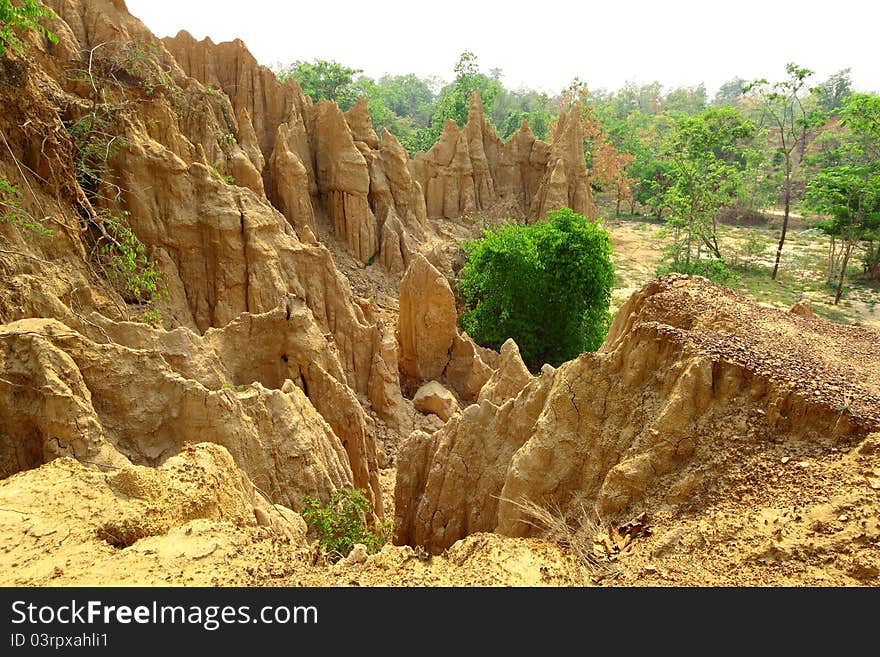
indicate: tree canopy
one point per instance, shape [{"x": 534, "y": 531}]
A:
[{"x": 546, "y": 285}]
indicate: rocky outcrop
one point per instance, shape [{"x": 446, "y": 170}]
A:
[
  {"x": 275, "y": 436},
  {"x": 360, "y": 124},
  {"x": 221, "y": 172},
  {"x": 395, "y": 248},
  {"x": 802, "y": 308},
  {"x": 521, "y": 167},
  {"x": 427, "y": 323},
  {"x": 434, "y": 398},
  {"x": 344, "y": 182},
  {"x": 196, "y": 507},
  {"x": 250, "y": 88},
  {"x": 448, "y": 482},
  {"x": 392, "y": 186},
  {"x": 565, "y": 182},
  {"x": 511, "y": 376},
  {"x": 430, "y": 345},
  {"x": 471, "y": 170},
  {"x": 469, "y": 368},
  {"x": 638, "y": 426},
  {"x": 445, "y": 174},
  {"x": 291, "y": 184}
]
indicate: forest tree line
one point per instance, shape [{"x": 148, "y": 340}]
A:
[{"x": 794, "y": 143}]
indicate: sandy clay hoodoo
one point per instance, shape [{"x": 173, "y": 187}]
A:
[{"x": 308, "y": 343}]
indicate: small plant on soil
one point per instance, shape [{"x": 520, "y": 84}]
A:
[
  {"x": 15, "y": 19},
  {"x": 342, "y": 523}
]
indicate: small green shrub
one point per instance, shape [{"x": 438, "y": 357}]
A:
[
  {"x": 153, "y": 317},
  {"x": 215, "y": 171},
  {"x": 95, "y": 141},
  {"x": 12, "y": 213},
  {"x": 139, "y": 60},
  {"x": 25, "y": 15},
  {"x": 754, "y": 249},
  {"x": 342, "y": 523},
  {"x": 226, "y": 141},
  {"x": 122, "y": 257},
  {"x": 546, "y": 285},
  {"x": 714, "y": 269}
]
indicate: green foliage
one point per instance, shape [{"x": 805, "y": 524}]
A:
[
  {"x": 831, "y": 94},
  {"x": 455, "y": 98},
  {"x": 226, "y": 141},
  {"x": 848, "y": 192},
  {"x": 121, "y": 256},
  {"x": 686, "y": 100},
  {"x": 511, "y": 108},
  {"x": 792, "y": 119},
  {"x": 94, "y": 143},
  {"x": 341, "y": 524},
  {"x": 324, "y": 80},
  {"x": 706, "y": 157},
  {"x": 22, "y": 16},
  {"x": 215, "y": 171},
  {"x": 139, "y": 61},
  {"x": 546, "y": 285},
  {"x": 731, "y": 93},
  {"x": 712, "y": 268},
  {"x": 153, "y": 317},
  {"x": 12, "y": 213},
  {"x": 409, "y": 97},
  {"x": 112, "y": 71},
  {"x": 753, "y": 249}
]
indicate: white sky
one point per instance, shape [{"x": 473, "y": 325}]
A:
[{"x": 543, "y": 45}]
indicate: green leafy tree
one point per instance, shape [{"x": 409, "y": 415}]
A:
[
  {"x": 455, "y": 98},
  {"x": 686, "y": 100},
  {"x": 848, "y": 192},
  {"x": 646, "y": 98},
  {"x": 16, "y": 18},
  {"x": 381, "y": 114},
  {"x": 792, "y": 122},
  {"x": 511, "y": 108},
  {"x": 409, "y": 97},
  {"x": 731, "y": 93},
  {"x": 831, "y": 94},
  {"x": 324, "y": 80},
  {"x": 706, "y": 158},
  {"x": 546, "y": 285}
]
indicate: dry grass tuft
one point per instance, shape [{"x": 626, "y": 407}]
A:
[{"x": 575, "y": 532}]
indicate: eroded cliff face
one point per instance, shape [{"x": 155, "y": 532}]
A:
[
  {"x": 275, "y": 356},
  {"x": 472, "y": 171},
  {"x": 275, "y": 375},
  {"x": 376, "y": 201},
  {"x": 232, "y": 181},
  {"x": 691, "y": 374}
]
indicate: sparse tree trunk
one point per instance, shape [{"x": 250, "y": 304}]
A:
[
  {"x": 784, "y": 218},
  {"x": 848, "y": 249},
  {"x": 846, "y": 254},
  {"x": 832, "y": 261},
  {"x": 687, "y": 254}
]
